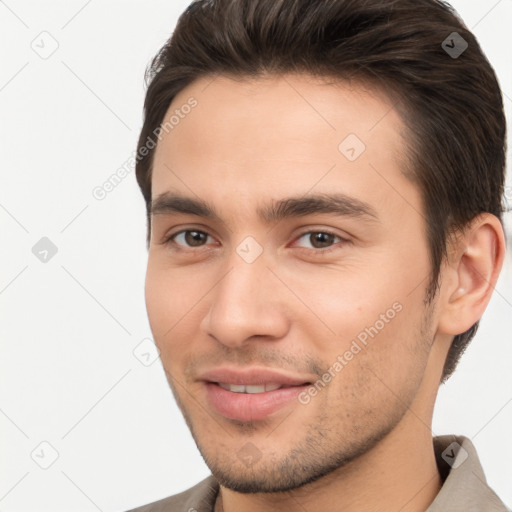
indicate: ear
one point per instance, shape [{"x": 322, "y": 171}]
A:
[{"x": 470, "y": 274}]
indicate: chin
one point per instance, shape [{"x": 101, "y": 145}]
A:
[
  {"x": 275, "y": 473},
  {"x": 272, "y": 480}
]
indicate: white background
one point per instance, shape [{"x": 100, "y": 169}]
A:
[{"x": 69, "y": 376}]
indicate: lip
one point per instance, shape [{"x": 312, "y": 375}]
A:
[
  {"x": 251, "y": 406},
  {"x": 253, "y": 377}
]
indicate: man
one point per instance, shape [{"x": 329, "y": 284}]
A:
[{"x": 323, "y": 181}]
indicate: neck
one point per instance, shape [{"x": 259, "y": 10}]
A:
[{"x": 400, "y": 473}]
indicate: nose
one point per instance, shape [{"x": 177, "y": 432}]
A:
[{"x": 245, "y": 304}]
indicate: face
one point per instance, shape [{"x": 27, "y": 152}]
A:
[{"x": 286, "y": 275}]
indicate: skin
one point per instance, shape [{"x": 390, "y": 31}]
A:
[{"x": 364, "y": 442}]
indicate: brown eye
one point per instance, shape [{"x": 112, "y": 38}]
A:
[
  {"x": 321, "y": 240},
  {"x": 318, "y": 239},
  {"x": 190, "y": 238}
]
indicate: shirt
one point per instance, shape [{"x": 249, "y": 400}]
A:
[{"x": 464, "y": 486}]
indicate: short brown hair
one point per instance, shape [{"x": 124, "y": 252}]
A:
[{"x": 451, "y": 104}]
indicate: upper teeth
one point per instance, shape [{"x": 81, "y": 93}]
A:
[{"x": 240, "y": 388}]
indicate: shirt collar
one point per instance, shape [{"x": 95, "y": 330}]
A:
[{"x": 464, "y": 487}]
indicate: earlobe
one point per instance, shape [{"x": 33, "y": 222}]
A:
[{"x": 472, "y": 272}]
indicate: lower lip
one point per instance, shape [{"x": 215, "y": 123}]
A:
[{"x": 250, "y": 406}]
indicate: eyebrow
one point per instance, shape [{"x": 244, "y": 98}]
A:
[{"x": 337, "y": 204}]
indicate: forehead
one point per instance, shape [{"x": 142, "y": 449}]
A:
[{"x": 261, "y": 136}]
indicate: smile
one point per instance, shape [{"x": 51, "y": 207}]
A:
[{"x": 240, "y": 388}]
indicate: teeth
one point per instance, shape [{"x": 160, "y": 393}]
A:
[
  {"x": 254, "y": 389},
  {"x": 239, "y": 388},
  {"x": 235, "y": 388}
]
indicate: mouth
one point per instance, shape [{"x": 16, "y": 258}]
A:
[
  {"x": 251, "y": 389},
  {"x": 251, "y": 394}
]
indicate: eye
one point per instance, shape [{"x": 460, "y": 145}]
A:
[
  {"x": 318, "y": 240},
  {"x": 189, "y": 238}
]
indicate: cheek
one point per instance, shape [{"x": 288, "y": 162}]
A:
[
  {"x": 159, "y": 300},
  {"x": 381, "y": 369},
  {"x": 346, "y": 301},
  {"x": 372, "y": 315},
  {"x": 170, "y": 298}
]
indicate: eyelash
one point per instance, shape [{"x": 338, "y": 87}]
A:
[{"x": 170, "y": 240}]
